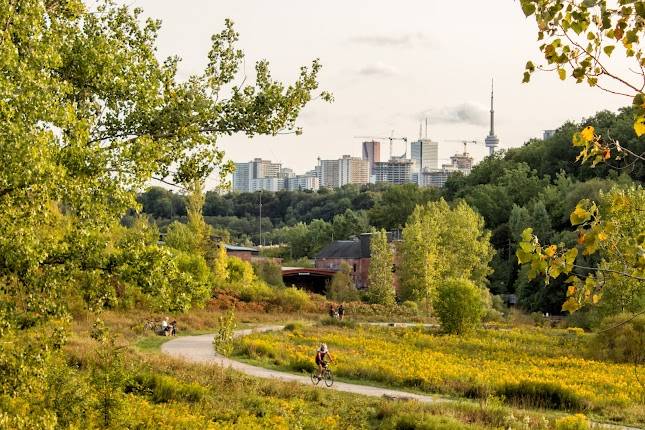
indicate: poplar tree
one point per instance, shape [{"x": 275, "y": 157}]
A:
[{"x": 380, "y": 278}]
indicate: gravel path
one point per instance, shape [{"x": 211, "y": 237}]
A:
[{"x": 199, "y": 349}]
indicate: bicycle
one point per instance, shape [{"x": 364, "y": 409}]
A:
[{"x": 327, "y": 376}]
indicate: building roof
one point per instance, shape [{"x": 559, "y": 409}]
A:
[
  {"x": 241, "y": 248},
  {"x": 341, "y": 249}
]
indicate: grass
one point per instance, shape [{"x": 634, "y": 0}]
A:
[
  {"x": 528, "y": 367},
  {"x": 163, "y": 392}
]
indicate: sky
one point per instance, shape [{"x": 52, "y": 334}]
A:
[{"x": 389, "y": 65}]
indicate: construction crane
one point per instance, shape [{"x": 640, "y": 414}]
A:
[
  {"x": 391, "y": 139},
  {"x": 464, "y": 141}
]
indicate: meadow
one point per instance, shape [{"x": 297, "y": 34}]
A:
[
  {"x": 163, "y": 393},
  {"x": 527, "y": 367}
]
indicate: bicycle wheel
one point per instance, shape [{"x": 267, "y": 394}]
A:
[
  {"x": 314, "y": 378},
  {"x": 329, "y": 378}
]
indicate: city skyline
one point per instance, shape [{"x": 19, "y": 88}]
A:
[{"x": 435, "y": 60}]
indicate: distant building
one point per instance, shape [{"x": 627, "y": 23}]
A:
[
  {"x": 241, "y": 177},
  {"x": 356, "y": 253},
  {"x": 395, "y": 171},
  {"x": 259, "y": 174},
  {"x": 463, "y": 162},
  {"x": 547, "y": 134},
  {"x": 302, "y": 183},
  {"x": 425, "y": 154},
  {"x": 436, "y": 178},
  {"x": 266, "y": 184},
  {"x": 346, "y": 170},
  {"x": 372, "y": 153}
]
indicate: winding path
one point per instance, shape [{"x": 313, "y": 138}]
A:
[{"x": 199, "y": 349}]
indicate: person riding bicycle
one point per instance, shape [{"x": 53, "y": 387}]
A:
[{"x": 321, "y": 353}]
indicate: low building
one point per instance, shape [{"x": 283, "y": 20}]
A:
[
  {"x": 242, "y": 252},
  {"x": 356, "y": 253}
]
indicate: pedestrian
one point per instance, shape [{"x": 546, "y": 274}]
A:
[
  {"x": 341, "y": 312},
  {"x": 173, "y": 328},
  {"x": 332, "y": 312}
]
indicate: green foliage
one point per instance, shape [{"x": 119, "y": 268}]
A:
[
  {"x": 380, "y": 285},
  {"x": 291, "y": 299},
  {"x": 441, "y": 242},
  {"x": 397, "y": 203},
  {"x": 342, "y": 287},
  {"x": 223, "y": 339},
  {"x": 459, "y": 305},
  {"x": 529, "y": 394},
  {"x": 270, "y": 272},
  {"x": 108, "y": 379},
  {"x": 620, "y": 338},
  {"x": 163, "y": 389}
]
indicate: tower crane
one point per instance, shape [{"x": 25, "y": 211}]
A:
[
  {"x": 391, "y": 139},
  {"x": 464, "y": 141}
]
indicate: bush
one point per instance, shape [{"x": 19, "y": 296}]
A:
[
  {"x": 256, "y": 291},
  {"x": 269, "y": 272},
  {"x": 329, "y": 321},
  {"x": 458, "y": 305},
  {"x": 291, "y": 299},
  {"x": 621, "y": 338},
  {"x": 427, "y": 422},
  {"x": 572, "y": 422},
  {"x": 294, "y": 326},
  {"x": 342, "y": 287},
  {"x": 410, "y": 305},
  {"x": 527, "y": 394}
]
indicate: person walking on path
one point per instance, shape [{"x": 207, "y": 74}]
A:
[{"x": 341, "y": 312}]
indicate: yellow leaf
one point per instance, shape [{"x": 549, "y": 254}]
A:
[
  {"x": 570, "y": 305},
  {"x": 595, "y": 298},
  {"x": 587, "y": 133},
  {"x": 639, "y": 126},
  {"x": 571, "y": 290},
  {"x": 602, "y": 236},
  {"x": 550, "y": 251}
]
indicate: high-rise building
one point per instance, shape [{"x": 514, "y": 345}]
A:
[
  {"x": 395, "y": 171},
  {"x": 436, "y": 177},
  {"x": 346, "y": 170},
  {"x": 463, "y": 162},
  {"x": 425, "y": 154},
  {"x": 264, "y": 169},
  {"x": 547, "y": 134},
  {"x": 372, "y": 152},
  {"x": 241, "y": 177},
  {"x": 285, "y": 172},
  {"x": 491, "y": 141},
  {"x": 266, "y": 184},
  {"x": 354, "y": 170},
  {"x": 302, "y": 182}
]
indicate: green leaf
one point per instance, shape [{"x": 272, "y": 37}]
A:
[
  {"x": 609, "y": 49},
  {"x": 527, "y": 7}
]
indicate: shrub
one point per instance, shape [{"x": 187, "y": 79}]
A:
[
  {"x": 342, "y": 287},
  {"x": 621, "y": 338},
  {"x": 291, "y": 299},
  {"x": 270, "y": 272},
  {"x": 410, "y": 305},
  {"x": 223, "y": 340},
  {"x": 328, "y": 321},
  {"x": 256, "y": 291},
  {"x": 528, "y": 394},
  {"x": 572, "y": 422},
  {"x": 458, "y": 305},
  {"x": 427, "y": 422},
  {"x": 294, "y": 326}
]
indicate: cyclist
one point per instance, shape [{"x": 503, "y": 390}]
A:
[{"x": 321, "y": 353}]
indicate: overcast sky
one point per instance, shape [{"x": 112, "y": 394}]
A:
[{"x": 388, "y": 65}]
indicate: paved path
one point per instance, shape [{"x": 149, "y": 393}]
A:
[{"x": 199, "y": 349}]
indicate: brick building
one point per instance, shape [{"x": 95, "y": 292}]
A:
[{"x": 356, "y": 253}]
